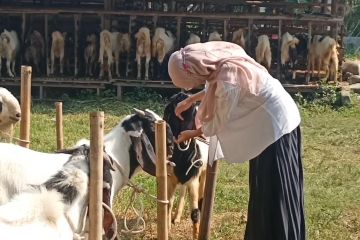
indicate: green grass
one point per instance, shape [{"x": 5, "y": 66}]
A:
[{"x": 331, "y": 159}]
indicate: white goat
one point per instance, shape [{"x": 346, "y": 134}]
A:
[
  {"x": 239, "y": 37},
  {"x": 105, "y": 51},
  {"x": 66, "y": 173},
  {"x": 57, "y": 50},
  {"x": 9, "y": 48},
  {"x": 214, "y": 36},
  {"x": 193, "y": 38},
  {"x": 263, "y": 51},
  {"x": 121, "y": 43},
  {"x": 288, "y": 43},
  {"x": 90, "y": 54},
  {"x": 56, "y": 210},
  {"x": 323, "y": 53},
  {"x": 10, "y": 113},
  {"x": 143, "y": 49},
  {"x": 162, "y": 43}
]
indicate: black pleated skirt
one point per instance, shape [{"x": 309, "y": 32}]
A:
[{"x": 276, "y": 204}]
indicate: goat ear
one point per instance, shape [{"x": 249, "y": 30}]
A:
[{"x": 145, "y": 154}]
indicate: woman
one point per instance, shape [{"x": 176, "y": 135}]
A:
[{"x": 254, "y": 119}]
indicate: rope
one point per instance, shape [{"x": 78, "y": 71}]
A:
[
  {"x": 140, "y": 222},
  {"x": 11, "y": 137},
  {"x": 193, "y": 158},
  {"x": 114, "y": 218},
  {"x": 187, "y": 145}
]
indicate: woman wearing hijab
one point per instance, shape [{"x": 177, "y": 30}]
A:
[{"x": 254, "y": 119}]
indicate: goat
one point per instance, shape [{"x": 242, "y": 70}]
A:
[
  {"x": 214, "y": 36},
  {"x": 90, "y": 54},
  {"x": 35, "y": 50},
  {"x": 288, "y": 49},
  {"x": 105, "y": 51},
  {"x": 239, "y": 37},
  {"x": 57, "y": 50},
  {"x": 190, "y": 163},
  {"x": 9, "y": 48},
  {"x": 162, "y": 43},
  {"x": 121, "y": 43},
  {"x": 143, "y": 49},
  {"x": 193, "y": 38},
  {"x": 53, "y": 209},
  {"x": 352, "y": 67},
  {"x": 10, "y": 112},
  {"x": 263, "y": 51},
  {"x": 323, "y": 52},
  {"x": 131, "y": 145},
  {"x": 288, "y": 52}
]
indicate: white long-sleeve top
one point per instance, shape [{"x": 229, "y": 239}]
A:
[{"x": 246, "y": 124}]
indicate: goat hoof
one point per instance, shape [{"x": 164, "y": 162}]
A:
[{"x": 175, "y": 221}]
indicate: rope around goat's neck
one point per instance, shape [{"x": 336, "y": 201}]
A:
[{"x": 11, "y": 137}]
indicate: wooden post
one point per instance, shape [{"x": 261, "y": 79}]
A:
[
  {"x": 178, "y": 32},
  {"x": 25, "y": 93},
  {"x": 76, "y": 43},
  {"x": 334, "y": 8},
  {"x": 208, "y": 202},
  {"x": 278, "y": 60},
  {"x": 46, "y": 45},
  {"x": 161, "y": 179},
  {"x": 308, "y": 75},
  {"x": 127, "y": 69},
  {"x": 59, "y": 126},
  {"x": 96, "y": 174},
  {"x": 119, "y": 92},
  {"x": 225, "y": 29},
  {"x": 248, "y": 40},
  {"x": 23, "y": 29}
]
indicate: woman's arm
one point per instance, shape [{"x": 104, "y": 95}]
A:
[
  {"x": 188, "y": 134},
  {"x": 185, "y": 104}
]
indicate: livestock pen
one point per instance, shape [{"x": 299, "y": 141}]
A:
[{"x": 182, "y": 17}]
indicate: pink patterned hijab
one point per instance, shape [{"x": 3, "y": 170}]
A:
[{"x": 197, "y": 63}]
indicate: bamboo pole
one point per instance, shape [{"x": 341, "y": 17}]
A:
[
  {"x": 96, "y": 175},
  {"x": 161, "y": 179},
  {"x": 25, "y": 93},
  {"x": 208, "y": 203},
  {"x": 59, "y": 126}
]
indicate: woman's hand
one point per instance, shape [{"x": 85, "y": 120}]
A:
[
  {"x": 182, "y": 107},
  {"x": 188, "y": 134}
]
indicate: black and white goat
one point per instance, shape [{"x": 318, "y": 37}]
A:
[
  {"x": 131, "y": 145},
  {"x": 54, "y": 209},
  {"x": 190, "y": 160}
]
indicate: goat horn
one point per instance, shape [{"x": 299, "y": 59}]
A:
[{"x": 139, "y": 112}]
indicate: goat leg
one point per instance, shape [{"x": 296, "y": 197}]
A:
[
  {"x": 13, "y": 67},
  {"x": 138, "y": 62},
  {"x": 147, "y": 68},
  {"x": 194, "y": 201},
  {"x": 117, "y": 64},
  {"x": 8, "y": 62},
  {"x": 52, "y": 62},
  {"x": 181, "y": 205},
  {"x": 0, "y": 65}
]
